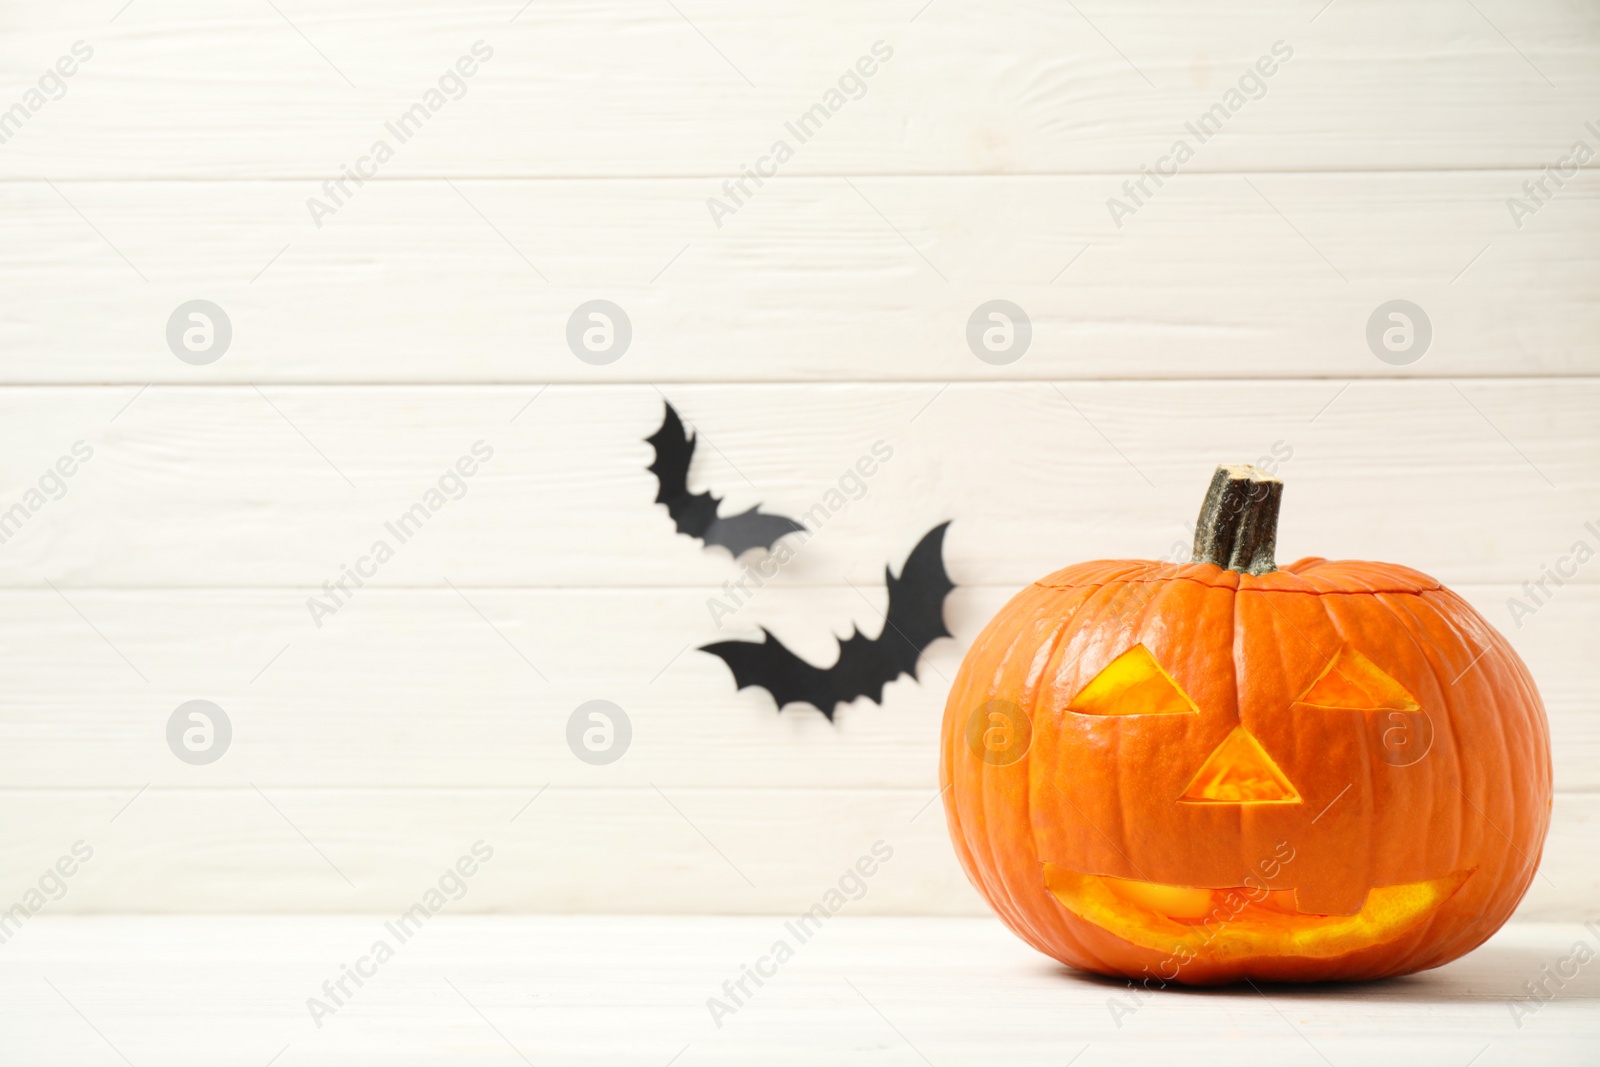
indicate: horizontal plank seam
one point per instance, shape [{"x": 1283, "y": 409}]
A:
[
  {"x": 514, "y": 789},
  {"x": 993, "y": 587},
  {"x": 701, "y": 383},
  {"x": 888, "y": 175}
]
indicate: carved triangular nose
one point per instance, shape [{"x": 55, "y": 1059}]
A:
[{"x": 1239, "y": 771}]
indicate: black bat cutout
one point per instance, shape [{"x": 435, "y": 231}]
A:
[
  {"x": 695, "y": 514},
  {"x": 865, "y": 665}
]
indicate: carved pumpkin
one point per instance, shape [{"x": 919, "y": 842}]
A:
[{"x": 1221, "y": 770}]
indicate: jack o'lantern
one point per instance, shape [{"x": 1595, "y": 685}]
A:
[{"x": 1221, "y": 770}]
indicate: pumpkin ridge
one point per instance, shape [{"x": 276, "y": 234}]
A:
[
  {"x": 1018, "y": 903},
  {"x": 1456, "y": 729},
  {"x": 1062, "y": 635},
  {"x": 1045, "y": 584},
  {"x": 1523, "y": 730},
  {"x": 1449, "y": 712}
]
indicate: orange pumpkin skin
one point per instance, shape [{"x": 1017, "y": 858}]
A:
[{"x": 1452, "y": 794}]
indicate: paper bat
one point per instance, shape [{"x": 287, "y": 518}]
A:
[
  {"x": 865, "y": 665},
  {"x": 695, "y": 514}
]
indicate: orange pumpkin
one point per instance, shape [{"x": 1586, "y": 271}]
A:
[{"x": 1220, "y": 770}]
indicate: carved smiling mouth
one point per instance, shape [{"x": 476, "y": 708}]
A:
[{"x": 1224, "y": 924}]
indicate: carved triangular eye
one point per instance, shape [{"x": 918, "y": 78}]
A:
[
  {"x": 1352, "y": 681},
  {"x": 1239, "y": 771},
  {"x": 1133, "y": 684}
]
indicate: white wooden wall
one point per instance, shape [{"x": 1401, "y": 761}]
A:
[{"x": 1227, "y": 315}]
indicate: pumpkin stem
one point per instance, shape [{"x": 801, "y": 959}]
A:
[{"x": 1238, "y": 527}]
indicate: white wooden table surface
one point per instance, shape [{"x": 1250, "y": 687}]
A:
[
  {"x": 84, "y": 991},
  {"x": 1392, "y": 157}
]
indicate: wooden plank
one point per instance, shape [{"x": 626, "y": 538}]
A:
[
  {"x": 283, "y": 487},
  {"x": 818, "y": 279},
  {"x": 673, "y": 849},
  {"x": 668, "y": 850},
  {"x": 623, "y": 989},
  {"x": 563, "y": 989},
  {"x": 186, "y": 89},
  {"x": 414, "y": 688}
]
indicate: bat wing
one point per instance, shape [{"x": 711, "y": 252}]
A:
[
  {"x": 692, "y": 513},
  {"x": 913, "y": 621},
  {"x": 769, "y": 664},
  {"x": 695, "y": 514},
  {"x": 915, "y": 616},
  {"x": 750, "y": 529}
]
